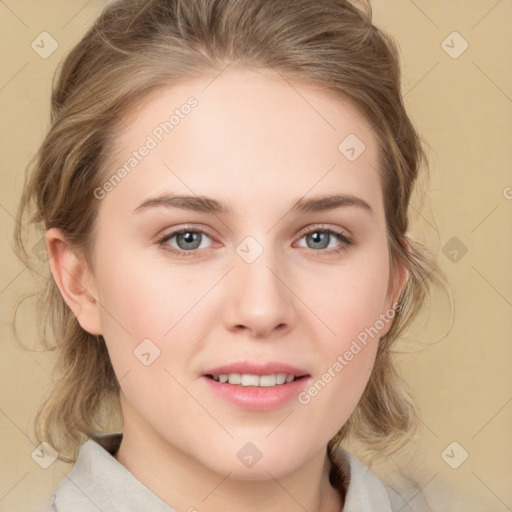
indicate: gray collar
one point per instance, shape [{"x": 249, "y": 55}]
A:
[{"x": 99, "y": 483}]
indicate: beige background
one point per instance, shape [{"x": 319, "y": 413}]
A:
[{"x": 463, "y": 108}]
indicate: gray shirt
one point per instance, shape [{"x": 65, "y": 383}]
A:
[{"x": 99, "y": 483}]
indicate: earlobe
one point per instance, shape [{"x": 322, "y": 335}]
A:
[
  {"x": 74, "y": 280},
  {"x": 397, "y": 280},
  {"x": 399, "y": 275},
  {"x": 400, "y": 278}
]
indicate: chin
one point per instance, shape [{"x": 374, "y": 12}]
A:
[
  {"x": 262, "y": 470},
  {"x": 245, "y": 460}
]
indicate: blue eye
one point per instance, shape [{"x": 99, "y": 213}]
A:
[
  {"x": 189, "y": 240},
  {"x": 320, "y": 238}
]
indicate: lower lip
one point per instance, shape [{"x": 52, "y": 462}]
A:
[{"x": 258, "y": 398}]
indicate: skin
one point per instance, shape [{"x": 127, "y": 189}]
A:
[{"x": 259, "y": 144}]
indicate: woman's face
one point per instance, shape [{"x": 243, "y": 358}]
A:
[{"x": 257, "y": 284}]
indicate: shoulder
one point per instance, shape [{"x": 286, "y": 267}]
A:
[
  {"x": 413, "y": 490},
  {"x": 86, "y": 485},
  {"x": 99, "y": 482},
  {"x": 435, "y": 495},
  {"x": 364, "y": 490}
]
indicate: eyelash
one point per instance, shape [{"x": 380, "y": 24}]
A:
[{"x": 346, "y": 242}]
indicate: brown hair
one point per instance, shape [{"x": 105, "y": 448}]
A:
[{"x": 138, "y": 46}]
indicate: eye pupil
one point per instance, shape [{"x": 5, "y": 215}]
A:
[
  {"x": 189, "y": 238},
  {"x": 319, "y": 238},
  {"x": 188, "y": 241}
]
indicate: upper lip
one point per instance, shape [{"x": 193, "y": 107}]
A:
[{"x": 251, "y": 368}]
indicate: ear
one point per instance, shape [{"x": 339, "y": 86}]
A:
[
  {"x": 397, "y": 279},
  {"x": 74, "y": 280}
]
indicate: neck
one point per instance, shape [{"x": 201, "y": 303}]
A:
[{"x": 186, "y": 485}]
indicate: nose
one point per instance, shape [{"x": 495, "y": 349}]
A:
[{"x": 261, "y": 299}]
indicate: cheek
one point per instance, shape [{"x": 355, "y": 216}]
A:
[
  {"x": 142, "y": 299},
  {"x": 350, "y": 300},
  {"x": 149, "y": 308},
  {"x": 146, "y": 341},
  {"x": 350, "y": 308}
]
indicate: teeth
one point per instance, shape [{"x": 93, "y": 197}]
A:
[
  {"x": 281, "y": 378},
  {"x": 268, "y": 380},
  {"x": 234, "y": 378},
  {"x": 247, "y": 379}
]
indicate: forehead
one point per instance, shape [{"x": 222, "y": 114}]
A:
[{"x": 251, "y": 132}]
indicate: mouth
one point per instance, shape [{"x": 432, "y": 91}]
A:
[
  {"x": 256, "y": 386},
  {"x": 263, "y": 375},
  {"x": 248, "y": 379}
]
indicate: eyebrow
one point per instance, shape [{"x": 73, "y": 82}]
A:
[{"x": 214, "y": 206}]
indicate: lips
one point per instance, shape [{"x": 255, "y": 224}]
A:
[
  {"x": 256, "y": 387},
  {"x": 259, "y": 369}
]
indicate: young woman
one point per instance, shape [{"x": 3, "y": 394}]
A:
[{"x": 224, "y": 193}]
